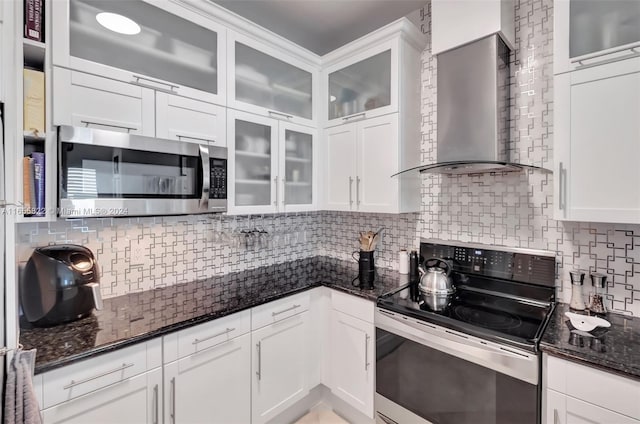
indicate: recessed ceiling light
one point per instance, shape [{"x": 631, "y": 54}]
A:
[
  {"x": 118, "y": 23},
  {"x": 332, "y": 98}
]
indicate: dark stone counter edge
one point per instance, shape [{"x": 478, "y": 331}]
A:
[
  {"x": 617, "y": 368},
  {"x": 48, "y": 366}
]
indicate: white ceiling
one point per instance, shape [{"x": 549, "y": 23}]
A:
[{"x": 322, "y": 25}]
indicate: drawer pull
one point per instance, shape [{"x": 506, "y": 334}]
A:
[
  {"x": 273, "y": 314},
  {"x": 187, "y": 137},
  {"x": 122, "y": 127},
  {"x": 86, "y": 380},
  {"x": 227, "y": 331},
  {"x": 166, "y": 84},
  {"x": 357, "y": 115}
]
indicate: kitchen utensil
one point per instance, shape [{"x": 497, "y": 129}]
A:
[
  {"x": 366, "y": 269},
  {"x": 596, "y": 298},
  {"x": 586, "y": 322},
  {"x": 577, "y": 297},
  {"x": 435, "y": 285},
  {"x": 60, "y": 284}
]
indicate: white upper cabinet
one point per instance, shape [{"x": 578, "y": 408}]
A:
[
  {"x": 273, "y": 165},
  {"x": 458, "y": 22},
  {"x": 268, "y": 82},
  {"x": 588, "y": 33},
  {"x": 597, "y": 143},
  {"x": 362, "y": 86},
  {"x": 166, "y": 47}
]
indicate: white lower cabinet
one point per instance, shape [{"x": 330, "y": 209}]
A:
[
  {"x": 136, "y": 400},
  {"x": 577, "y": 394},
  {"x": 280, "y": 366},
  {"x": 352, "y": 361},
  {"x": 210, "y": 386}
]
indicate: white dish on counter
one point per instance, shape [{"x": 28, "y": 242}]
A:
[{"x": 586, "y": 322}]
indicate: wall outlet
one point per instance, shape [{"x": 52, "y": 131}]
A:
[{"x": 136, "y": 253}]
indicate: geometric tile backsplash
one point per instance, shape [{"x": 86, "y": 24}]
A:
[{"x": 510, "y": 209}]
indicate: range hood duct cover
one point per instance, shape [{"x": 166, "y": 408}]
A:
[{"x": 473, "y": 110}]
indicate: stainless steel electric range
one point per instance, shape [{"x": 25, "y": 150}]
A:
[{"x": 475, "y": 360}]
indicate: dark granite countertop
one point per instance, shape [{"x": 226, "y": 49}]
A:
[
  {"x": 136, "y": 317},
  {"x": 615, "y": 349}
]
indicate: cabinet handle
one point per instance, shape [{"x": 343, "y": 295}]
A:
[
  {"x": 166, "y": 84},
  {"x": 283, "y": 192},
  {"x": 560, "y": 185},
  {"x": 386, "y": 419},
  {"x": 74, "y": 383},
  {"x": 366, "y": 352},
  {"x": 347, "y": 118},
  {"x": 274, "y": 314},
  {"x": 556, "y": 418},
  {"x": 275, "y": 182},
  {"x": 172, "y": 411},
  {"x": 155, "y": 404},
  {"x": 228, "y": 330},
  {"x": 350, "y": 196},
  {"x": 206, "y": 140},
  {"x": 274, "y": 113},
  {"x": 122, "y": 127},
  {"x": 633, "y": 50},
  {"x": 358, "y": 191},
  {"x": 259, "y": 371}
]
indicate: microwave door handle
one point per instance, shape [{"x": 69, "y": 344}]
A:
[{"x": 206, "y": 176}]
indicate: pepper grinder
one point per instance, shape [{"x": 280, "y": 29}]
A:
[
  {"x": 596, "y": 298},
  {"x": 577, "y": 298}
]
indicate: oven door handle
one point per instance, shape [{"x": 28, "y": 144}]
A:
[{"x": 206, "y": 177}]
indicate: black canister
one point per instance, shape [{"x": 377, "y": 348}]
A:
[{"x": 366, "y": 269}]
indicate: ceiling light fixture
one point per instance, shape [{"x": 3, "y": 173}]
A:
[
  {"x": 118, "y": 23},
  {"x": 332, "y": 98}
]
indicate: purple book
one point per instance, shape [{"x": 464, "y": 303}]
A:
[
  {"x": 33, "y": 19},
  {"x": 38, "y": 159}
]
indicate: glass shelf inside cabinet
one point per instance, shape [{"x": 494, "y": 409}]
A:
[
  {"x": 601, "y": 25},
  {"x": 164, "y": 46},
  {"x": 253, "y": 164},
  {"x": 298, "y": 168},
  {"x": 363, "y": 86},
  {"x": 265, "y": 81}
]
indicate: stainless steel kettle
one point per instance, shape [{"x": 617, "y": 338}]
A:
[{"x": 435, "y": 285}]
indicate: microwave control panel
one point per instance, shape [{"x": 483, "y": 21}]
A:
[{"x": 218, "y": 181}]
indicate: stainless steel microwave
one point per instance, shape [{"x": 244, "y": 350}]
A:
[{"x": 106, "y": 173}]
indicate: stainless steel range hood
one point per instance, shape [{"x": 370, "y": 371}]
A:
[{"x": 473, "y": 110}]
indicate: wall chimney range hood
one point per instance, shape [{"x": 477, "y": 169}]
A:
[{"x": 473, "y": 110}]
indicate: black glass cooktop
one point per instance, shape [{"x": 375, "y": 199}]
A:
[{"x": 518, "y": 321}]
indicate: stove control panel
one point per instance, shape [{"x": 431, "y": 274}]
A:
[{"x": 487, "y": 261}]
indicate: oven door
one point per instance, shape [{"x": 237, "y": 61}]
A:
[
  {"x": 104, "y": 173},
  {"x": 429, "y": 374}
]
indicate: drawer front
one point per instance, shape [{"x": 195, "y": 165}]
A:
[
  {"x": 352, "y": 305},
  {"x": 279, "y": 309},
  {"x": 96, "y": 373},
  {"x": 585, "y": 383},
  {"x": 205, "y": 336}
]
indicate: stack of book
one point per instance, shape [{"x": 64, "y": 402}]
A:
[{"x": 33, "y": 184}]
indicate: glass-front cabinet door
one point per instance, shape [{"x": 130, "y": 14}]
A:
[
  {"x": 363, "y": 86},
  {"x": 269, "y": 83},
  {"x": 298, "y": 158},
  {"x": 596, "y": 31},
  {"x": 159, "y": 45},
  {"x": 253, "y": 173}
]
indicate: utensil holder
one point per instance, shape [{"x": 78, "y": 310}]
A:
[{"x": 366, "y": 268}]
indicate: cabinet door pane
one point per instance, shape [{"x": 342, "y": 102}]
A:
[
  {"x": 360, "y": 87},
  {"x": 265, "y": 81},
  {"x": 166, "y": 47},
  {"x": 253, "y": 164},
  {"x": 602, "y": 24},
  {"x": 298, "y": 168}
]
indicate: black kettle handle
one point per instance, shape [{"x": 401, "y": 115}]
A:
[{"x": 435, "y": 263}]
